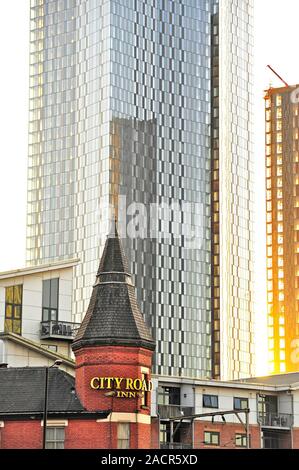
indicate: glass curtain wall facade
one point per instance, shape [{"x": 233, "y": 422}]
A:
[
  {"x": 232, "y": 187},
  {"x": 120, "y": 105},
  {"x": 282, "y": 217}
]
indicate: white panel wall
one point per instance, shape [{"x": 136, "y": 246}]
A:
[
  {"x": 296, "y": 408},
  {"x": 32, "y": 299},
  {"x": 187, "y": 395},
  {"x": 226, "y": 402},
  {"x": 20, "y": 356},
  {"x": 285, "y": 403},
  {"x": 154, "y": 396}
]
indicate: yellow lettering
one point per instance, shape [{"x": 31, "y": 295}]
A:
[
  {"x": 97, "y": 383},
  {"x": 93, "y": 383},
  {"x": 144, "y": 385},
  {"x": 102, "y": 385},
  {"x": 118, "y": 382},
  {"x": 122, "y": 394},
  {"x": 137, "y": 384},
  {"x": 129, "y": 384},
  {"x": 109, "y": 380}
]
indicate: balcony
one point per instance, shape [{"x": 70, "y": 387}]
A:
[
  {"x": 275, "y": 420},
  {"x": 277, "y": 439},
  {"x": 58, "y": 330},
  {"x": 175, "y": 445},
  {"x": 174, "y": 411}
]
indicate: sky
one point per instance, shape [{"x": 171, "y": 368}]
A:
[{"x": 276, "y": 43}]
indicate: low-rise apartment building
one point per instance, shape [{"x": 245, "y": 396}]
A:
[{"x": 264, "y": 408}]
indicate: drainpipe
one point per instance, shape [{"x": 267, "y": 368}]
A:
[
  {"x": 292, "y": 418},
  {"x": 247, "y": 430},
  {"x": 193, "y": 434},
  {"x": 159, "y": 424},
  {"x": 158, "y": 415},
  {"x": 171, "y": 434}
]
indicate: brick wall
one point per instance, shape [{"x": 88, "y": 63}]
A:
[
  {"x": 102, "y": 361},
  {"x": 21, "y": 435},
  {"x": 93, "y": 435},
  {"x": 89, "y": 434},
  {"x": 227, "y": 434},
  {"x": 295, "y": 438},
  {"x": 155, "y": 433},
  {"x": 121, "y": 362},
  {"x": 79, "y": 434},
  {"x": 109, "y": 361}
]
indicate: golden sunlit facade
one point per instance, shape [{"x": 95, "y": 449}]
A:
[{"x": 282, "y": 221}]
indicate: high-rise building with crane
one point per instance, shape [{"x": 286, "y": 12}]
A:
[{"x": 282, "y": 219}]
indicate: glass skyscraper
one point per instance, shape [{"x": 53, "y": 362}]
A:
[
  {"x": 150, "y": 100},
  {"x": 282, "y": 205}
]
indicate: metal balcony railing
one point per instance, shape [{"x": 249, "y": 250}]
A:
[
  {"x": 276, "y": 442},
  {"x": 58, "y": 329},
  {"x": 276, "y": 420},
  {"x": 174, "y": 445},
  {"x": 174, "y": 411}
]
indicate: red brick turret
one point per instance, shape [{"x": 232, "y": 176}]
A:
[{"x": 113, "y": 350}]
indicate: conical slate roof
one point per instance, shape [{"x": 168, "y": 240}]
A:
[
  {"x": 113, "y": 257},
  {"x": 113, "y": 316}
]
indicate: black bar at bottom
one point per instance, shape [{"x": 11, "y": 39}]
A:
[{"x": 133, "y": 459}]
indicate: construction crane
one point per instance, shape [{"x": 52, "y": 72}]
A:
[{"x": 275, "y": 73}]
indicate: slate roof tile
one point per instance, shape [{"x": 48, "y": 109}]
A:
[
  {"x": 113, "y": 316},
  {"x": 22, "y": 390}
]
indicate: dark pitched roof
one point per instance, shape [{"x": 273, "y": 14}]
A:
[
  {"x": 113, "y": 316},
  {"x": 22, "y": 390},
  {"x": 113, "y": 257}
]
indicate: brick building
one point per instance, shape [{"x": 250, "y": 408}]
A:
[
  {"x": 107, "y": 397},
  {"x": 272, "y": 403},
  {"x": 107, "y": 405}
]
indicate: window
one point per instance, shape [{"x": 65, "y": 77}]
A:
[
  {"x": 164, "y": 433},
  {"x": 50, "y": 299},
  {"x": 169, "y": 396},
  {"x": 145, "y": 400},
  {"x": 13, "y": 309},
  {"x": 123, "y": 436},
  {"x": 241, "y": 440},
  {"x": 55, "y": 438},
  {"x": 240, "y": 403},
  {"x": 212, "y": 438},
  {"x": 267, "y": 404},
  {"x": 210, "y": 401}
]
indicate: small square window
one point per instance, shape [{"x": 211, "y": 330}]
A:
[
  {"x": 241, "y": 440},
  {"x": 55, "y": 438},
  {"x": 240, "y": 403},
  {"x": 210, "y": 401},
  {"x": 123, "y": 436},
  {"x": 212, "y": 438}
]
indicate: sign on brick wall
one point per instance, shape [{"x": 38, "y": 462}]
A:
[{"x": 121, "y": 387}]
